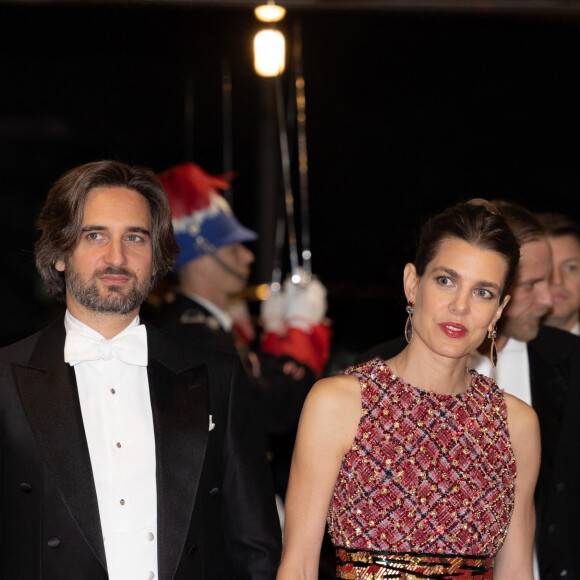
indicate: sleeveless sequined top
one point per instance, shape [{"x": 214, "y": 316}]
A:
[{"x": 426, "y": 473}]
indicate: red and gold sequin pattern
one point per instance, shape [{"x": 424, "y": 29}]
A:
[
  {"x": 427, "y": 473},
  {"x": 364, "y": 565}
]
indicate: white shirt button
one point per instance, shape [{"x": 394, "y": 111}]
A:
[
  {"x": 149, "y": 536},
  {"x": 150, "y": 575}
]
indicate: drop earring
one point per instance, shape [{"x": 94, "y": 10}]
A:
[
  {"x": 492, "y": 334},
  {"x": 409, "y": 324}
]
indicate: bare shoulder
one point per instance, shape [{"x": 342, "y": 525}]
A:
[
  {"x": 331, "y": 413},
  {"x": 521, "y": 417},
  {"x": 524, "y": 430},
  {"x": 334, "y": 394}
]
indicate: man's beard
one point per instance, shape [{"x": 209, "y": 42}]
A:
[{"x": 116, "y": 301}]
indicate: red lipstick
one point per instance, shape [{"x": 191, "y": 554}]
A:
[{"x": 453, "y": 329}]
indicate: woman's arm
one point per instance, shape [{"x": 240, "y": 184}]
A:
[
  {"x": 514, "y": 560},
  {"x": 328, "y": 424}
]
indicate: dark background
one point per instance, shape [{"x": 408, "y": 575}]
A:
[{"x": 407, "y": 112}]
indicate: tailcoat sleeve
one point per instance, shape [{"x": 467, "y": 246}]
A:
[{"x": 251, "y": 524}]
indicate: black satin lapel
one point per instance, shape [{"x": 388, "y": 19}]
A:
[
  {"x": 50, "y": 400},
  {"x": 180, "y": 404}
]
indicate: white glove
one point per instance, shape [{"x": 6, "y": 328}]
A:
[
  {"x": 306, "y": 305},
  {"x": 238, "y": 310},
  {"x": 273, "y": 312}
]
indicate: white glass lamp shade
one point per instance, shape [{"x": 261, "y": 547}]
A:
[{"x": 269, "y": 53}]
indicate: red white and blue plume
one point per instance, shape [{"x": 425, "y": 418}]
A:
[{"x": 202, "y": 219}]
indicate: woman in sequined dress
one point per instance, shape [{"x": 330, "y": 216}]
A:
[{"x": 410, "y": 461}]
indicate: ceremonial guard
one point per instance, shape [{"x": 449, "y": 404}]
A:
[{"x": 212, "y": 268}]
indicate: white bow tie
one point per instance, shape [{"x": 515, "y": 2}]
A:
[{"x": 129, "y": 347}]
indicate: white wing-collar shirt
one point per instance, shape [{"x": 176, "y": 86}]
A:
[{"x": 118, "y": 421}]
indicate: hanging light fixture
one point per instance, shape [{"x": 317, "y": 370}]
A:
[
  {"x": 270, "y": 12},
  {"x": 269, "y": 53},
  {"x": 269, "y": 43}
]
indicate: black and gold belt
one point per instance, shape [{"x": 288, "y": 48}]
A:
[{"x": 363, "y": 565}]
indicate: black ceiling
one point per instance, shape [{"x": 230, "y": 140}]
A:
[{"x": 539, "y": 7}]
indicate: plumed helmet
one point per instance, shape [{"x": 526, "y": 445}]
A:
[{"x": 202, "y": 219}]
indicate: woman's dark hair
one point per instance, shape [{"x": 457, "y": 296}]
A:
[
  {"x": 478, "y": 222},
  {"x": 60, "y": 219}
]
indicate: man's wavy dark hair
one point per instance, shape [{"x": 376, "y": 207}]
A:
[{"x": 61, "y": 217}]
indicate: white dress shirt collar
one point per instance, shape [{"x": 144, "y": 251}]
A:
[
  {"x": 222, "y": 317},
  {"x": 512, "y": 373}
]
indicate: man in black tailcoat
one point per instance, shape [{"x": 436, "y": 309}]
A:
[{"x": 125, "y": 453}]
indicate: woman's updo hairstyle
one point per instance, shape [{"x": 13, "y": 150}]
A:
[{"x": 477, "y": 222}]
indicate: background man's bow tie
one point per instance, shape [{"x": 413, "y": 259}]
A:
[{"x": 129, "y": 347}]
